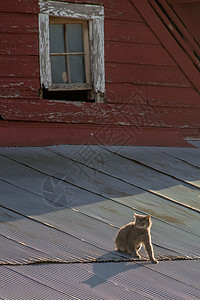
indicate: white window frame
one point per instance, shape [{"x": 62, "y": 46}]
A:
[{"x": 94, "y": 14}]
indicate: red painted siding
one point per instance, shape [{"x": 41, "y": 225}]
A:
[{"x": 148, "y": 87}]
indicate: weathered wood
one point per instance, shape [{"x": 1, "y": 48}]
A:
[
  {"x": 97, "y": 2},
  {"x": 123, "y": 52},
  {"x": 67, "y": 87},
  {"x": 180, "y": 117},
  {"x": 126, "y": 93},
  {"x": 152, "y": 95},
  {"x": 145, "y": 75},
  {"x": 19, "y": 87},
  {"x": 96, "y": 37},
  {"x": 43, "y": 134},
  {"x": 18, "y": 23},
  {"x": 122, "y": 31},
  {"x": 121, "y": 10},
  {"x": 44, "y": 48},
  {"x": 178, "y": 31},
  {"x": 174, "y": 2},
  {"x": 168, "y": 41},
  {"x": 19, "y": 44},
  {"x": 145, "y": 87},
  {"x": 189, "y": 14},
  {"x": 25, "y": 6},
  {"x": 95, "y": 17},
  {"x": 67, "y": 10},
  {"x": 190, "y": 134},
  {"x": 140, "y": 115},
  {"x": 173, "y": 97},
  {"x": 19, "y": 66}
]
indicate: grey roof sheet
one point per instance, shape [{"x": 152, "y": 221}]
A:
[
  {"x": 63, "y": 205},
  {"x": 167, "y": 280}
]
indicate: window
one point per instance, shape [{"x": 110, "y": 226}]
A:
[
  {"x": 69, "y": 53},
  {"x": 72, "y": 51}
]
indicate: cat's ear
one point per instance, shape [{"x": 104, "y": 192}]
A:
[
  {"x": 135, "y": 215},
  {"x": 149, "y": 216}
]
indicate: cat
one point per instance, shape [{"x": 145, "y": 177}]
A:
[{"x": 132, "y": 236}]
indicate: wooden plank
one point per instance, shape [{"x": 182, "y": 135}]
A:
[
  {"x": 121, "y": 10},
  {"x": 169, "y": 42},
  {"x": 187, "y": 36},
  {"x": 173, "y": 97},
  {"x": 190, "y": 134},
  {"x": 77, "y": 11},
  {"x": 122, "y": 31},
  {"x": 190, "y": 15},
  {"x": 19, "y": 88},
  {"x": 18, "y": 23},
  {"x": 97, "y": 2},
  {"x": 125, "y": 93},
  {"x": 180, "y": 117},
  {"x": 102, "y": 114},
  {"x": 19, "y": 44},
  {"x": 175, "y": 2},
  {"x": 54, "y": 111},
  {"x": 43, "y": 134},
  {"x": 19, "y": 66},
  {"x": 26, "y": 6},
  {"x": 152, "y": 95},
  {"x": 148, "y": 75},
  {"x": 134, "y": 53}
]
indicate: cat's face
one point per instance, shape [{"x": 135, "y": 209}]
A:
[{"x": 142, "y": 221}]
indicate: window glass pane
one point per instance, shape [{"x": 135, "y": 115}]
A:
[
  {"x": 74, "y": 37},
  {"x": 58, "y": 69},
  {"x": 77, "y": 68},
  {"x": 56, "y": 34}
]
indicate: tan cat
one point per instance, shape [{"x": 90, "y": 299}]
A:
[{"x": 132, "y": 236}]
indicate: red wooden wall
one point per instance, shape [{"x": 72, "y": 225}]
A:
[{"x": 152, "y": 92}]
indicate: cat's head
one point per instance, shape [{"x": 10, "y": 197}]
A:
[{"x": 142, "y": 221}]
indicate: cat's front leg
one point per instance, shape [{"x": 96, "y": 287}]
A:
[
  {"x": 154, "y": 261},
  {"x": 149, "y": 250}
]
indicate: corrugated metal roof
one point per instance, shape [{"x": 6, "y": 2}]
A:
[
  {"x": 167, "y": 280},
  {"x": 64, "y": 204}
]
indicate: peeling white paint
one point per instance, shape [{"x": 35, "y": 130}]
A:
[
  {"x": 96, "y": 35},
  {"x": 95, "y": 16},
  {"x": 123, "y": 123},
  {"x": 45, "y": 68},
  {"x": 72, "y": 10}
]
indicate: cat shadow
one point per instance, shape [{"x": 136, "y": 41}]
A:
[{"x": 104, "y": 268}]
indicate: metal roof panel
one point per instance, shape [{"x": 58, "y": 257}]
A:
[{"x": 64, "y": 205}]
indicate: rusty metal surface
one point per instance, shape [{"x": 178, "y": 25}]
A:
[{"x": 64, "y": 204}]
